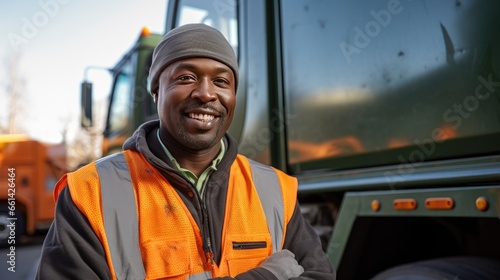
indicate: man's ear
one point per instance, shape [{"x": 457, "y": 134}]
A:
[{"x": 155, "y": 97}]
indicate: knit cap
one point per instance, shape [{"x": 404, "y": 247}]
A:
[{"x": 190, "y": 41}]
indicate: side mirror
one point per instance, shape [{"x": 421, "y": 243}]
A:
[{"x": 86, "y": 105}]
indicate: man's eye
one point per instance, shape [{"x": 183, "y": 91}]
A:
[
  {"x": 185, "y": 78},
  {"x": 221, "y": 81}
]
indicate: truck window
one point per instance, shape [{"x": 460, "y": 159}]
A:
[
  {"x": 150, "y": 110},
  {"x": 218, "y": 14},
  {"x": 119, "y": 113},
  {"x": 388, "y": 82}
]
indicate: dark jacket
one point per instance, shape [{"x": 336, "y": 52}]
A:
[{"x": 72, "y": 250}]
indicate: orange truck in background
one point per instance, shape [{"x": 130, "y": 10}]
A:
[{"x": 29, "y": 171}]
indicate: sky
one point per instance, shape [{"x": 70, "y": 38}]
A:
[{"x": 56, "y": 40}]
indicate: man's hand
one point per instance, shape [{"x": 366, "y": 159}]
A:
[{"x": 283, "y": 265}]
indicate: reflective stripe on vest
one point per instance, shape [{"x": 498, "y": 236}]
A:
[
  {"x": 121, "y": 223},
  {"x": 120, "y": 220},
  {"x": 269, "y": 190}
]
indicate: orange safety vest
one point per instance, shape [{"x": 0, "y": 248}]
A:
[{"x": 159, "y": 239}]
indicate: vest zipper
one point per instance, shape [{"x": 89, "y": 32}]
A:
[
  {"x": 206, "y": 223},
  {"x": 210, "y": 254},
  {"x": 206, "y": 233}
]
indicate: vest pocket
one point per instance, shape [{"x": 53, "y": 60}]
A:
[
  {"x": 245, "y": 252},
  {"x": 237, "y": 267},
  {"x": 166, "y": 258}
]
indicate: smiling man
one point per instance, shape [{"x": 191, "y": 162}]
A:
[
  {"x": 196, "y": 100},
  {"x": 180, "y": 202}
]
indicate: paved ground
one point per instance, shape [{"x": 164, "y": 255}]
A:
[{"x": 21, "y": 263}]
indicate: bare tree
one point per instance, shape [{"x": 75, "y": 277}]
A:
[
  {"x": 15, "y": 87},
  {"x": 86, "y": 146}
]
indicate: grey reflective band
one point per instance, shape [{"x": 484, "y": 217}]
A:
[
  {"x": 120, "y": 220},
  {"x": 269, "y": 189},
  {"x": 200, "y": 276}
]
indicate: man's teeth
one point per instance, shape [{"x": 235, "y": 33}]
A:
[{"x": 202, "y": 117}]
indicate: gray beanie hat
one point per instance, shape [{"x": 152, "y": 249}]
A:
[{"x": 188, "y": 41}]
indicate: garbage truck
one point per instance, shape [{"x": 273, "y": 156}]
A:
[
  {"x": 387, "y": 112},
  {"x": 29, "y": 171}
]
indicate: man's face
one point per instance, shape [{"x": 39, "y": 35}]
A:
[{"x": 196, "y": 100}]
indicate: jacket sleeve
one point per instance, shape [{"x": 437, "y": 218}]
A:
[
  {"x": 302, "y": 240},
  {"x": 71, "y": 249}
]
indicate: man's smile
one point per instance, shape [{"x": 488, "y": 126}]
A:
[{"x": 201, "y": 117}]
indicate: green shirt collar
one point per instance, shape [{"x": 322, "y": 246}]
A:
[{"x": 190, "y": 176}]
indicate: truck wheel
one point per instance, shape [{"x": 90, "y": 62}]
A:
[
  {"x": 468, "y": 268},
  {"x": 5, "y": 230}
]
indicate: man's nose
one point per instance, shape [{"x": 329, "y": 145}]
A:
[{"x": 205, "y": 91}]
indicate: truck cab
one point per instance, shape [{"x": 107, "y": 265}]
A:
[{"x": 129, "y": 102}]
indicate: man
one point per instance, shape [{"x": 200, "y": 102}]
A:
[{"x": 179, "y": 202}]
